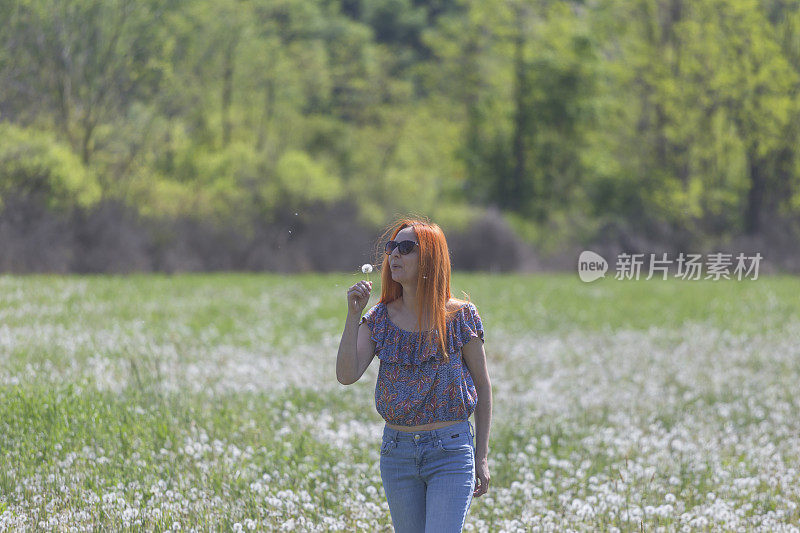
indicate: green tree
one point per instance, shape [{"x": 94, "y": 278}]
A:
[
  {"x": 524, "y": 129},
  {"x": 35, "y": 164},
  {"x": 709, "y": 105},
  {"x": 78, "y": 64}
]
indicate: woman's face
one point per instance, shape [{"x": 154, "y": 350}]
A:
[{"x": 404, "y": 268}]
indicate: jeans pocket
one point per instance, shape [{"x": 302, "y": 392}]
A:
[
  {"x": 386, "y": 446},
  {"x": 461, "y": 443}
]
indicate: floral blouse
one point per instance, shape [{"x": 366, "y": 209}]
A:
[{"x": 415, "y": 385}]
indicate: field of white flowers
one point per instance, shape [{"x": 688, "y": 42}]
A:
[{"x": 210, "y": 402}]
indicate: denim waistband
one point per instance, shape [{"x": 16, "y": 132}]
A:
[{"x": 431, "y": 434}]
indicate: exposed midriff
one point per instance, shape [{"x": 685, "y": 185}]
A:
[{"x": 424, "y": 427}]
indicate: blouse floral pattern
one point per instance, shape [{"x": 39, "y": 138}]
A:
[{"x": 415, "y": 385}]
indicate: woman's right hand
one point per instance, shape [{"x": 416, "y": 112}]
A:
[{"x": 358, "y": 296}]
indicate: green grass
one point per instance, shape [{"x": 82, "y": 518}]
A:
[{"x": 187, "y": 367}]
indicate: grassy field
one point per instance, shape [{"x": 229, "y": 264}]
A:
[{"x": 210, "y": 402}]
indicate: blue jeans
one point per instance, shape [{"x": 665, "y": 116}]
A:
[{"x": 428, "y": 477}]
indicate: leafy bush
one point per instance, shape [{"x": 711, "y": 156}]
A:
[{"x": 35, "y": 163}]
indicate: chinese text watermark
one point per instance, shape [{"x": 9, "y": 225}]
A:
[{"x": 716, "y": 266}]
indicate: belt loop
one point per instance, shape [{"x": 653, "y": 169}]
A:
[{"x": 471, "y": 430}]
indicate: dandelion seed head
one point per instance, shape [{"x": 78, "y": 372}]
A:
[{"x": 366, "y": 268}]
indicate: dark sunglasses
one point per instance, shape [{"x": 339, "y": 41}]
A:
[{"x": 405, "y": 247}]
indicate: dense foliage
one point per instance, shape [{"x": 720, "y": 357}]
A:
[{"x": 678, "y": 119}]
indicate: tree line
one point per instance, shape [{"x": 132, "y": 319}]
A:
[{"x": 673, "y": 121}]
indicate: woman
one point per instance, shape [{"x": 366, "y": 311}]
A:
[{"x": 430, "y": 380}]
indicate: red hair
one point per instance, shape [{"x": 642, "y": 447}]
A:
[{"x": 433, "y": 277}]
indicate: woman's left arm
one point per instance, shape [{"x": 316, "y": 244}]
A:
[{"x": 475, "y": 358}]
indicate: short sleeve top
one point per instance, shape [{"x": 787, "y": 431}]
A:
[{"x": 415, "y": 385}]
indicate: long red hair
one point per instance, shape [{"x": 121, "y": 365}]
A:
[{"x": 433, "y": 277}]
